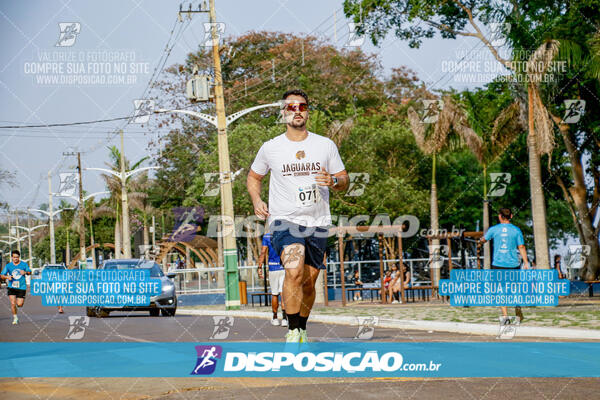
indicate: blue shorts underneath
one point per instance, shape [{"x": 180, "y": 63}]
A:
[{"x": 313, "y": 239}]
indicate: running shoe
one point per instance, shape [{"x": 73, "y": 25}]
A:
[
  {"x": 15, "y": 320},
  {"x": 303, "y": 336},
  {"x": 519, "y": 314},
  {"x": 284, "y": 322},
  {"x": 293, "y": 336},
  {"x": 275, "y": 322}
]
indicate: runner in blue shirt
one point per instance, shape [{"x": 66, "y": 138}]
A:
[
  {"x": 276, "y": 276},
  {"x": 508, "y": 243},
  {"x": 14, "y": 272}
]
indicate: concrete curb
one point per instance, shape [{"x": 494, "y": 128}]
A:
[{"x": 455, "y": 327}]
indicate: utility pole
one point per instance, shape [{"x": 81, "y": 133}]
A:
[
  {"x": 153, "y": 233},
  {"x": 9, "y": 229},
  {"x": 230, "y": 249},
  {"x": 29, "y": 238},
  {"x": 82, "y": 257},
  {"x": 17, "y": 230},
  {"x": 230, "y": 260}
]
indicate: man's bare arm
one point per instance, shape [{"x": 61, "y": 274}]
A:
[
  {"x": 253, "y": 183},
  {"x": 324, "y": 178},
  {"x": 343, "y": 181},
  {"x": 523, "y": 252}
]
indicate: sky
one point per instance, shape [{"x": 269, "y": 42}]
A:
[{"x": 49, "y": 77}]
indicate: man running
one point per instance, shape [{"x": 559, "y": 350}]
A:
[
  {"x": 276, "y": 276},
  {"x": 14, "y": 272},
  {"x": 508, "y": 243},
  {"x": 303, "y": 167}
]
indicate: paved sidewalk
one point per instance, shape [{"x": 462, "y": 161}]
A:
[{"x": 573, "y": 318}]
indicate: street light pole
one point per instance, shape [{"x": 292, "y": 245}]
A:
[
  {"x": 81, "y": 203},
  {"x": 123, "y": 175},
  {"x": 50, "y": 214},
  {"x": 82, "y": 256},
  {"x": 51, "y": 222},
  {"x": 29, "y": 229},
  {"x": 232, "y": 300},
  {"x": 126, "y": 239}
]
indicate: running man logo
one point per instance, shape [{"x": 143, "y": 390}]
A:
[
  {"x": 574, "y": 109},
  {"x": 143, "y": 109},
  {"x": 187, "y": 220},
  {"x": 508, "y": 327},
  {"x": 431, "y": 111},
  {"x": 68, "y": 184},
  {"x": 207, "y": 359},
  {"x": 358, "y": 183},
  {"x": 577, "y": 256},
  {"x": 437, "y": 254},
  {"x": 300, "y": 155},
  {"x": 223, "y": 325},
  {"x": 366, "y": 327},
  {"x": 354, "y": 38},
  {"x": 212, "y": 185},
  {"x": 499, "y": 183},
  {"x": 220, "y": 28},
  {"x": 498, "y": 33},
  {"x": 77, "y": 327},
  {"x": 68, "y": 33}
]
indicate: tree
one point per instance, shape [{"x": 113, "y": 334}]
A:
[
  {"x": 496, "y": 133},
  {"x": 414, "y": 20},
  {"x": 113, "y": 183},
  {"x": 574, "y": 25},
  {"x": 432, "y": 139},
  {"x": 141, "y": 204}
]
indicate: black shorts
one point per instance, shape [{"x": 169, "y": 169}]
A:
[
  {"x": 20, "y": 293},
  {"x": 494, "y": 267},
  {"x": 313, "y": 239}
]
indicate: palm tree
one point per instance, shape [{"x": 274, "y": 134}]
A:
[
  {"x": 140, "y": 202},
  {"x": 487, "y": 147},
  {"x": 114, "y": 186},
  {"x": 432, "y": 139},
  {"x": 540, "y": 140}
]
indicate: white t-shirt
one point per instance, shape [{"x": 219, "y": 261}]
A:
[{"x": 294, "y": 194}]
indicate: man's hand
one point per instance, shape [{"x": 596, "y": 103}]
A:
[
  {"x": 261, "y": 209},
  {"x": 525, "y": 264},
  {"x": 260, "y": 271},
  {"x": 324, "y": 178}
]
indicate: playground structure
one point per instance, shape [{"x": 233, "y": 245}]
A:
[{"x": 390, "y": 242}]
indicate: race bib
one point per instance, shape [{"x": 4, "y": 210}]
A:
[
  {"x": 15, "y": 284},
  {"x": 307, "y": 195}
]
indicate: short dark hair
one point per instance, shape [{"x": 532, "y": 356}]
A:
[
  {"x": 17, "y": 252},
  {"x": 505, "y": 213},
  {"x": 296, "y": 92}
]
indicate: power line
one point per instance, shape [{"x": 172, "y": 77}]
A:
[{"x": 97, "y": 121}]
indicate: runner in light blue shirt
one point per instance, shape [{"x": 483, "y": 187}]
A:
[
  {"x": 14, "y": 272},
  {"x": 508, "y": 243}
]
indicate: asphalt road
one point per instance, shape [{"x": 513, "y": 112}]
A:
[{"x": 44, "y": 324}]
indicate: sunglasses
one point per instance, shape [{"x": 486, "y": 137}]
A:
[{"x": 296, "y": 107}]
